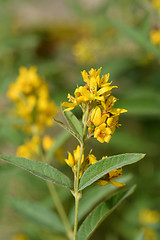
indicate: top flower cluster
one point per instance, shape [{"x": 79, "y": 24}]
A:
[
  {"x": 95, "y": 98},
  {"x": 32, "y": 101}
]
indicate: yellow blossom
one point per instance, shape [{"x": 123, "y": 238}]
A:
[
  {"x": 113, "y": 123},
  {"x": 73, "y": 160},
  {"x": 155, "y": 36},
  {"x": 108, "y": 178},
  {"x": 92, "y": 159},
  {"x": 109, "y": 103},
  {"x": 95, "y": 90},
  {"x": 30, "y": 148},
  {"x": 47, "y": 142},
  {"x": 97, "y": 118},
  {"x": 70, "y": 160},
  {"x": 102, "y": 133},
  {"x": 73, "y": 103},
  {"x": 147, "y": 216}
]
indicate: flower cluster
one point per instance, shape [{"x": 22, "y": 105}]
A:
[
  {"x": 96, "y": 98},
  {"x": 30, "y": 149},
  {"x": 34, "y": 105},
  {"x": 32, "y": 101},
  {"x": 72, "y": 161}
]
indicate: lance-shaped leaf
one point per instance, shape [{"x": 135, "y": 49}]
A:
[
  {"x": 102, "y": 211},
  {"x": 102, "y": 167},
  {"x": 73, "y": 122},
  {"x": 90, "y": 199},
  {"x": 38, "y": 213},
  {"x": 41, "y": 170},
  {"x": 75, "y": 134}
]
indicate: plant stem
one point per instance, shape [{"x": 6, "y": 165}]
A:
[
  {"x": 59, "y": 207},
  {"x": 60, "y": 210},
  {"x": 77, "y": 195}
]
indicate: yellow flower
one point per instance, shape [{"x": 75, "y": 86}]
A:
[
  {"x": 112, "y": 123},
  {"x": 70, "y": 160},
  {"x": 155, "y": 37},
  {"x": 147, "y": 216},
  {"x": 95, "y": 90},
  {"x": 47, "y": 142},
  {"x": 85, "y": 95},
  {"x": 117, "y": 111},
  {"x": 92, "y": 159},
  {"x": 109, "y": 103},
  {"x": 28, "y": 79},
  {"x": 102, "y": 133},
  {"x": 99, "y": 87},
  {"x": 30, "y": 148},
  {"x": 97, "y": 118},
  {"x": 73, "y": 160},
  {"x": 70, "y": 106},
  {"x": 108, "y": 178}
]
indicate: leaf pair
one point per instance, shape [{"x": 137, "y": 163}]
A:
[
  {"x": 43, "y": 216},
  {"x": 92, "y": 174}
]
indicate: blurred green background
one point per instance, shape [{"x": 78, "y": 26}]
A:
[{"x": 62, "y": 38}]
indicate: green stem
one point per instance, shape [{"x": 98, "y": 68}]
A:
[
  {"x": 77, "y": 195},
  {"x": 59, "y": 207},
  {"x": 60, "y": 210}
]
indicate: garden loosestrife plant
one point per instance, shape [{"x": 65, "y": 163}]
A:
[{"x": 99, "y": 120}]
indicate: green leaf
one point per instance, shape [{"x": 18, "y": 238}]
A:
[
  {"x": 75, "y": 134},
  {"x": 58, "y": 143},
  {"x": 102, "y": 211},
  {"x": 41, "y": 170},
  {"x": 137, "y": 36},
  {"x": 73, "y": 122},
  {"x": 102, "y": 167},
  {"x": 90, "y": 199},
  {"x": 38, "y": 213}
]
